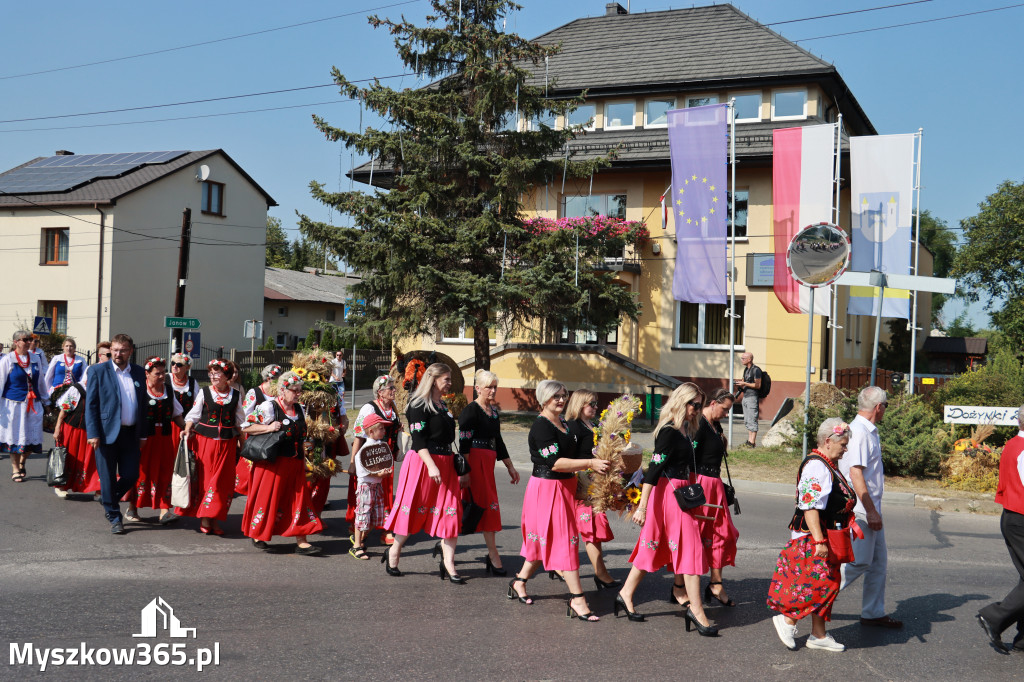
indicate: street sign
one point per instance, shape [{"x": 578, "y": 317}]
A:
[
  {"x": 43, "y": 325},
  {"x": 181, "y": 323},
  {"x": 192, "y": 345},
  {"x": 252, "y": 329}
]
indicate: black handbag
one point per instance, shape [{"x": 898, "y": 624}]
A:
[
  {"x": 263, "y": 447},
  {"x": 56, "y": 473},
  {"x": 692, "y": 495},
  {"x": 471, "y": 514},
  {"x": 461, "y": 464},
  {"x": 730, "y": 491}
]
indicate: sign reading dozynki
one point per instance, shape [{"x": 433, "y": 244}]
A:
[{"x": 974, "y": 414}]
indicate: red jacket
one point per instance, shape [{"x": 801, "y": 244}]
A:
[{"x": 1010, "y": 492}]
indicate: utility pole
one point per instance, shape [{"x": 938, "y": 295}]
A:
[{"x": 179, "y": 295}]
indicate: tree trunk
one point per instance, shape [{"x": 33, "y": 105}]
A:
[{"x": 481, "y": 342}]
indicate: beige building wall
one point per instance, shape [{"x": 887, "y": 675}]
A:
[{"x": 301, "y": 317}]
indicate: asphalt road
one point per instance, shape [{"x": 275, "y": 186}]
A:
[{"x": 65, "y": 581}]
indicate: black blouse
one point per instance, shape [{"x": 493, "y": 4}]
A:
[
  {"x": 547, "y": 446},
  {"x": 433, "y": 431},
  {"x": 584, "y": 439},
  {"x": 475, "y": 425},
  {"x": 673, "y": 456},
  {"x": 710, "y": 448}
]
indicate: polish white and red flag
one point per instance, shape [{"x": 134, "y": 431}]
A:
[{"x": 803, "y": 192}]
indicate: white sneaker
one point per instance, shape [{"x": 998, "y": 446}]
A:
[
  {"x": 60, "y": 493},
  {"x": 785, "y": 631},
  {"x": 826, "y": 643}
]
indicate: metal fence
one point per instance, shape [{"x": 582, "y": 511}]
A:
[{"x": 855, "y": 378}]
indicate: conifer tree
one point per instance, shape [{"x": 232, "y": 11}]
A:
[{"x": 445, "y": 243}]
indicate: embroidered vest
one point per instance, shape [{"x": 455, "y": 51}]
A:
[{"x": 217, "y": 421}]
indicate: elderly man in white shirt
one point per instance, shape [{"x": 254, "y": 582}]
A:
[{"x": 862, "y": 466}]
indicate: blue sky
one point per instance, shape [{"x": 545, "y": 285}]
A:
[{"x": 956, "y": 79}]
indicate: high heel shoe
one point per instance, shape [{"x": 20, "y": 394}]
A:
[
  {"x": 632, "y": 615},
  {"x": 672, "y": 596},
  {"x": 455, "y": 578},
  {"x": 554, "y": 576},
  {"x": 512, "y": 594},
  {"x": 489, "y": 567},
  {"x": 702, "y": 630},
  {"x": 602, "y": 585},
  {"x": 709, "y": 595},
  {"x": 437, "y": 550},
  {"x": 384, "y": 559},
  {"x": 570, "y": 612}
]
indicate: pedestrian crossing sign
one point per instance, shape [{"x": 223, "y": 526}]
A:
[{"x": 43, "y": 325}]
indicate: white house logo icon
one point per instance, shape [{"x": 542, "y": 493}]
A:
[{"x": 158, "y": 615}]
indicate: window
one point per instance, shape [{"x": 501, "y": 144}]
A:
[
  {"x": 789, "y": 104},
  {"x": 463, "y": 333},
  {"x": 742, "y": 200},
  {"x": 584, "y": 116},
  {"x": 583, "y": 336},
  {"x": 613, "y": 205},
  {"x": 619, "y": 115},
  {"x": 213, "y": 198},
  {"x": 329, "y": 315},
  {"x": 705, "y": 325},
  {"x": 701, "y": 101},
  {"x": 57, "y": 311},
  {"x": 282, "y": 311},
  {"x": 282, "y": 340},
  {"x": 546, "y": 119},
  {"x": 748, "y": 106},
  {"x": 508, "y": 123},
  {"x": 55, "y": 246},
  {"x": 656, "y": 112}
]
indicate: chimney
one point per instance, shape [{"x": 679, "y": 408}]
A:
[
  {"x": 613, "y": 8},
  {"x": 63, "y": 152}
]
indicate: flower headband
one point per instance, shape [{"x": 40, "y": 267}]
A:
[
  {"x": 381, "y": 381},
  {"x": 291, "y": 382},
  {"x": 217, "y": 363},
  {"x": 154, "y": 361},
  {"x": 841, "y": 428}
]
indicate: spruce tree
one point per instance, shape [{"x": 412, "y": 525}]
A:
[{"x": 445, "y": 243}]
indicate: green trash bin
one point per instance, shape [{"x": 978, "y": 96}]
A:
[{"x": 653, "y": 410}]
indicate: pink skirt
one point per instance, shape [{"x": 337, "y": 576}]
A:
[
  {"x": 593, "y": 526},
  {"x": 720, "y": 535},
  {"x": 421, "y": 504},
  {"x": 156, "y": 467},
  {"x": 215, "y": 470},
  {"x": 549, "y": 524},
  {"x": 278, "y": 502},
  {"x": 670, "y": 536},
  {"x": 483, "y": 489}
]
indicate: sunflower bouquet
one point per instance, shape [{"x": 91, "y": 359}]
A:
[
  {"x": 612, "y": 491},
  {"x": 320, "y": 401}
]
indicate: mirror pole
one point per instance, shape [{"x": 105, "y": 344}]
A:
[{"x": 807, "y": 386}]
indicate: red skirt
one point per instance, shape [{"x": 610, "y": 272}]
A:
[
  {"x": 549, "y": 524},
  {"x": 803, "y": 583},
  {"x": 156, "y": 467},
  {"x": 80, "y": 464},
  {"x": 278, "y": 502},
  {"x": 720, "y": 535},
  {"x": 421, "y": 504},
  {"x": 670, "y": 536},
  {"x": 243, "y": 474},
  {"x": 215, "y": 471},
  {"x": 483, "y": 489},
  {"x": 593, "y": 526}
]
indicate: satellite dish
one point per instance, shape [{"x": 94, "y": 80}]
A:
[
  {"x": 818, "y": 255},
  {"x": 203, "y": 173}
]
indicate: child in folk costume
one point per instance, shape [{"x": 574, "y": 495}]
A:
[{"x": 370, "y": 510}]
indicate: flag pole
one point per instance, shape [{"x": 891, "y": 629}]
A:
[
  {"x": 833, "y": 323},
  {"x": 732, "y": 266},
  {"x": 917, "y": 255}
]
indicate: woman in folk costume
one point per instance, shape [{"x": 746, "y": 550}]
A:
[
  {"x": 22, "y": 397},
  {"x": 254, "y": 397},
  {"x": 278, "y": 502},
  {"x": 65, "y": 369},
  {"x": 80, "y": 462},
  {"x": 213, "y": 426},
  {"x": 184, "y": 386},
  {"x": 158, "y": 451}
]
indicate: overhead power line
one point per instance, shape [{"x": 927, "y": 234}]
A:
[
  {"x": 208, "y": 42},
  {"x": 841, "y": 14},
  {"x": 911, "y": 23}
]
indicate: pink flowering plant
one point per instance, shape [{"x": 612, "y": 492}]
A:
[{"x": 614, "y": 232}]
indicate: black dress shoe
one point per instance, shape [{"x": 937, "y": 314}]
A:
[
  {"x": 994, "y": 637},
  {"x": 311, "y": 550},
  {"x": 117, "y": 528},
  {"x": 260, "y": 544}
]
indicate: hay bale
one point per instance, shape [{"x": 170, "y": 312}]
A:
[{"x": 428, "y": 357}]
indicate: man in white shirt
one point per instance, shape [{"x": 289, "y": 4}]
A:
[
  {"x": 338, "y": 372},
  {"x": 862, "y": 466}
]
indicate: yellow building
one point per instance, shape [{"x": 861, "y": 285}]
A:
[{"x": 634, "y": 69}]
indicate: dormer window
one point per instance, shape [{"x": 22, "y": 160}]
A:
[
  {"x": 584, "y": 116},
  {"x": 788, "y": 105},
  {"x": 619, "y": 115},
  {"x": 748, "y": 106},
  {"x": 701, "y": 101},
  {"x": 656, "y": 112}
]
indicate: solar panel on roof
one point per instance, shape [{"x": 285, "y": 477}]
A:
[{"x": 65, "y": 172}]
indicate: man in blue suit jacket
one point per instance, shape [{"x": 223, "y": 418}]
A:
[{"x": 115, "y": 400}]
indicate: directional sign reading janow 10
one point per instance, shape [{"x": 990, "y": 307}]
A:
[
  {"x": 973, "y": 414},
  {"x": 181, "y": 323}
]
